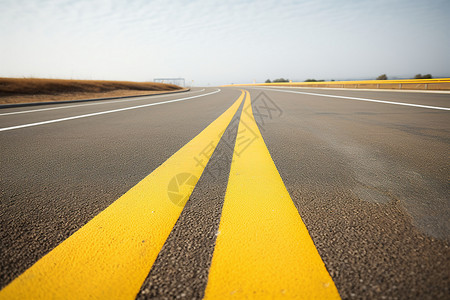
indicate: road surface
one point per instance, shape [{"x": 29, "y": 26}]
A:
[{"x": 302, "y": 193}]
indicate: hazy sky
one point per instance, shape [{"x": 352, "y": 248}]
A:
[{"x": 219, "y": 42}]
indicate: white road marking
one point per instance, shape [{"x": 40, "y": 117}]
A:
[
  {"x": 103, "y": 112},
  {"x": 362, "y": 99},
  {"x": 138, "y": 98}
]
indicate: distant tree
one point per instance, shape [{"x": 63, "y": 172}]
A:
[
  {"x": 382, "y": 77},
  {"x": 281, "y": 80},
  {"x": 268, "y": 81},
  {"x": 310, "y": 80},
  {"x": 420, "y": 76},
  {"x": 332, "y": 79}
]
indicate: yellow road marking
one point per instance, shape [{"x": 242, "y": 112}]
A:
[
  {"x": 112, "y": 254},
  {"x": 263, "y": 249}
]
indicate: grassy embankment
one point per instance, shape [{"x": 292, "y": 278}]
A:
[{"x": 24, "y": 90}]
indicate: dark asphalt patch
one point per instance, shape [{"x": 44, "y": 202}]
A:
[{"x": 182, "y": 266}]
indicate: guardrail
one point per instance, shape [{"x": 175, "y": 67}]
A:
[{"x": 406, "y": 84}]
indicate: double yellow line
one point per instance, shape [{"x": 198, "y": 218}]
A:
[{"x": 263, "y": 249}]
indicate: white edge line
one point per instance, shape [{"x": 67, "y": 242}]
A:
[
  {"x": 138, "y": 98},
  {"x": 362, "y": 99},
  {"x": 103, "y": 112}
]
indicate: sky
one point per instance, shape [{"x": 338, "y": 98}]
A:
[{"x": 221, "y": 42}]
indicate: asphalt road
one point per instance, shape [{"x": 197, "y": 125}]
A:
[{"x": 369, "y": 179}]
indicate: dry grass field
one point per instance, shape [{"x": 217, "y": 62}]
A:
[{"x": 23, "y": 90}]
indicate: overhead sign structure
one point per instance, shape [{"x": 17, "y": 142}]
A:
[{"x": 176, "y": 81}]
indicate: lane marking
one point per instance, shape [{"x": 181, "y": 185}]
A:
[
  {"x": 362, "y": 99},
  {"x": 111, "y": 255},
  {"x": 89, "y": 104},
  {"x": 103, "y": 112},
  {"x": 263, "y": 249}
]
